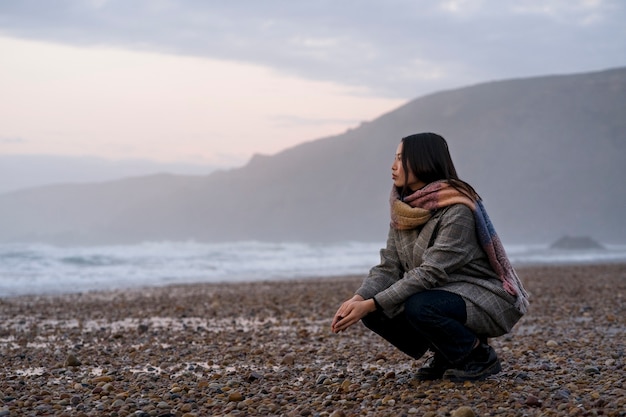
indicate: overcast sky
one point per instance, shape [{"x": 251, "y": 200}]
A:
[{"x": 216, "y": 81}]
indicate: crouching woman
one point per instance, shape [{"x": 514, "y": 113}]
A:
[{"x": 444, "y": 282}]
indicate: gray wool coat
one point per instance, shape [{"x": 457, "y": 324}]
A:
[{"x": 443, "y": 254}]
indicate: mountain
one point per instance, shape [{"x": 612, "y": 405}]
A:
[
  {"x": 26, "y": 171},
  {"x": 545, "y": 153}
]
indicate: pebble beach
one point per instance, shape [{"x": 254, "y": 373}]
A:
[{"x": 265, "y": 348}]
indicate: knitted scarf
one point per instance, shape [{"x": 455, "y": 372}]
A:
[{"x": 417, "y": 208}]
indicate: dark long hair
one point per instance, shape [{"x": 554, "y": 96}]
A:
[{"x": 427, "y": 156}]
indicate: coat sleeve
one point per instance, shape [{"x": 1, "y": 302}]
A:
[
  {"x": 383, "y": 275},
  {"x": 454, "y": 245}
]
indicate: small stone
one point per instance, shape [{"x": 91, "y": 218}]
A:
[
  {"x": 413, "y": 410},
  {"x": 463, "y": 411},
  {"x": 552, "y": 343},
  {"x": 574, "y": 411},
  {"x": 103, "y": 378},
  {"x": 254, "y": 376},
  {"x": 533, "y": 401},
  {"x": 337, "y": 413},
  {"x": 235, "y": 396},
  {"x": 118, "y": 403},
  {"x": 289, "y": 359},
  {"x": 320, "y": 379},
  {"x": 592, "y": 370},
  {"x": 562, "y": 394},
  {"x": 72, "y": 360}
]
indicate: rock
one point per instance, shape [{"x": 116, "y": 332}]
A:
[
  {"x": 592, "y": 370},
  {"x": 118, "y": 403},
  {"x": 463, "y": 411},
  {"x": 289, "y": 359},
  {"x": 254, "y": 376},
  {"x": 532, "y": 401},
  {"x": 103, "y": 378},
  {"x": 72, "y": 360},
  {"x": 235, "y": 396},
  {"x": 551, "y": 343},
  {"x": 576, "y": 242}
]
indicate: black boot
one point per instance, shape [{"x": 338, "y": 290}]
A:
[
  {"x": 480, "y": 364},
  {"x": 434, "y": 368}
]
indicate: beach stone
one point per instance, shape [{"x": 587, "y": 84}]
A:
[
  {"x": 552, "y": 343},
  {"x": 532, "y": 401},
  {"x": 592, "y": 370},
  {"x": 289, "y": 359},
  {"x": 195, "y": 371},
  {"x": 463, "y": 411},
  {"x": 118, "y": 403},
  {"x": 254, "y": 376},
  {"x": 562, "y": 394},
  {"x": 235, "y": 397},
  {"x": 72, "y": 360}
]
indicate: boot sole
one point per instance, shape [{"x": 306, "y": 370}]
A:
[{"x": 493, "y": 369}]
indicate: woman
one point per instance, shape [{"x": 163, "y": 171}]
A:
[{"x": 444, "y": 282}]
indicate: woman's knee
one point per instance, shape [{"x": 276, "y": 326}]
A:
[
  {"x": 373, "y": 321},
  {"x": 417, "y": 310},
  {"x": 432, "y": 305}
]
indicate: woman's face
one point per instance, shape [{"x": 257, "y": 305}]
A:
[{"x": 398, "y": 176}]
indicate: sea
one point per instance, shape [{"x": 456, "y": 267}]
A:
[{"x": 39, "y": 269}]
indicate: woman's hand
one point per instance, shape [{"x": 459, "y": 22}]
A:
[{"x": 350, "y": 312}]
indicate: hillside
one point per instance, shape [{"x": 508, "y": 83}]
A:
[{"x": 547, "y": 155}]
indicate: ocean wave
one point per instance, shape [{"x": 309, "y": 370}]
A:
[{"x": 45, "y": 269}]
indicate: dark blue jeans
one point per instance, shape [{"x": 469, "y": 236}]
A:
[{"x": 433, "y": 319}]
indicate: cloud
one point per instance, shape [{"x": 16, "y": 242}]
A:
[
  {"x": 372, "y": 43},
  {"x": 293, "y": 120}
]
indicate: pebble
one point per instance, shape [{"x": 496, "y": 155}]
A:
[
  {"x": 265, "y": 349},
  {"x": 72, "y": 360},
  {"x": 463, "y": 411},
  {"x": 289, "y": 359},
  {"x": 235, "y": 396},
  {"x": 533, "y": 401}
]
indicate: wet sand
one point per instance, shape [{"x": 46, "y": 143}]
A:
[{"x": 266, "y": 349}]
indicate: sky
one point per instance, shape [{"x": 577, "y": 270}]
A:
[{"x": 214, "y": 82}]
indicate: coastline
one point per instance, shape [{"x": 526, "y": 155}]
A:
[{"x": 265, "y": 348}]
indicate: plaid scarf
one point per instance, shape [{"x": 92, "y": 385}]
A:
[{"x": 417, "y": 208}]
